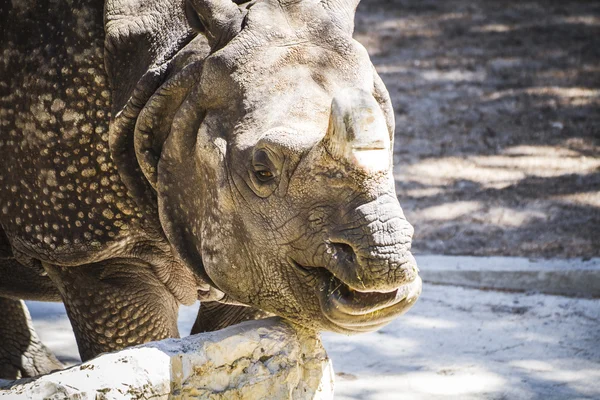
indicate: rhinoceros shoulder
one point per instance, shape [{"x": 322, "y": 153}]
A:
[{"x": 62, "y": 196}]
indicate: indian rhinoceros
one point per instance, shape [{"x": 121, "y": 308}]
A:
[{"x": 157, "y": 152}]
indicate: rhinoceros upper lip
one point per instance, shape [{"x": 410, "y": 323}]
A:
[{"x": 345, "y": 303}]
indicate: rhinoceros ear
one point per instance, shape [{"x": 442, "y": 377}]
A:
[
  {"x": 342, "y": 12},
  {"x": 218, "y": 20},
  {"x": 141, "y": 38},
  {"x": 155, "y": 120}
]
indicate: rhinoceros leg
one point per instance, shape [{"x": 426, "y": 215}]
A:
[
  {"x": 21, "y": 352},
  {"x": 114, "y": 305},
  {"x": 18, "y": 281},
  {"x": 213, "y": 316}
]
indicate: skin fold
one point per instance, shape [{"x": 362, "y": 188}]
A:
[{"x": 160, "y": 152}]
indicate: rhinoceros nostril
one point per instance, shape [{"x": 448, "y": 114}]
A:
[{"x": 343, "y": 253}]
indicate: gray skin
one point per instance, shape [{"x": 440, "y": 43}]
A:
[{"x": 159, "y": 152}]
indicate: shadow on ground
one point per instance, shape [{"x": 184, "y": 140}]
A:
[{"x": 497, "y": 121}]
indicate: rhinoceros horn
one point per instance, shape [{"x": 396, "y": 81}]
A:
[
  {"x": 218, "y": 20},
  {"x": 342, "y": 12},
  {"x": 358, "y": 134}
]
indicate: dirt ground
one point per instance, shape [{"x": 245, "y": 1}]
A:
[
  {"x": 456, "y": 343},
  {"x": 497, "y": 148}
]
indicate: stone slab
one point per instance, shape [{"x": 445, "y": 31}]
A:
[
  {"x": 266, "y": 359},
  {"x": 566, "y": 277}
]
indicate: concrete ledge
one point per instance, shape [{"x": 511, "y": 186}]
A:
[
  {"x": 266, "y": 359},
  {"x": 568, "y": 277}
]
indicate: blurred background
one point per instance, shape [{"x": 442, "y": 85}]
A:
[{"x": 497, "y": 148}]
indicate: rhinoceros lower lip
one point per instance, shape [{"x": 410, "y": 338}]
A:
[
  {"x": 365, "y": 312},
  {"x": 351, "y": 310}
]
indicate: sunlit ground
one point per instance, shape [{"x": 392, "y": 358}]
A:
[
  {"x": 455, "y": 343},
  {"x": 463, "y": 344}
]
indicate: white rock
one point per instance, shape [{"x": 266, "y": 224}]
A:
[{"x": 266, "y": 359}]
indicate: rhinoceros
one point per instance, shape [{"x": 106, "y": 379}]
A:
[{"x": 159, "y": 152}]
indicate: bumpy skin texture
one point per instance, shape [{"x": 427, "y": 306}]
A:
[
  {"x": 21, "y": 354},
  {"x": 26, "y": 282},
  {"x": 113, "y": 305},
  {"x": 156, "y": 152},
  {"x": 62, "y": 201}
]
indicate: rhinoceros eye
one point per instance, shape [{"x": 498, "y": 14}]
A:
[
  {"x": 263, "y": 166},
  {"x": 264, "y": 175}
]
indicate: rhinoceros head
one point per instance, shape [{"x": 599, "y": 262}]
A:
[{"x": 275, "y": 173}]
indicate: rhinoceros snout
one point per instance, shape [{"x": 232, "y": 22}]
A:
[
  {"x": 372, "y": 268},
  {"x": 370, "y": 276},
  {"x": 370, "y": 248}
]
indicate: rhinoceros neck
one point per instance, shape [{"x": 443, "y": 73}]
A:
[{"x": 61, "y": 195}]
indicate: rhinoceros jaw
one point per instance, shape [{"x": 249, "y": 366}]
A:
[{"x": 352, "y": 310}]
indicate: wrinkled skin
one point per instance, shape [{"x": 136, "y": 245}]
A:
[
  {"x": 248, "y": 161},
  {"x": 316, "y": 217}
]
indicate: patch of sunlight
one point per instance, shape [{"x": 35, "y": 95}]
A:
[
  {"x": 508, "y": 217},
  {"x": 398, "y": 23},
  {"x": 492, "y": 28},
  {"x": 384, "y": 26},
  {"x": 415, "y": 321},
  {"x": 392, "y": 344},
  {"x": 409, "y": 27},
  {"x": 447, "y": 170},
  {"x": 391, "y": 69},
  {"x": 454, "y": 382},
  {"x": 560, "y": 373},
  {"x": 536, "y": 337},
  {"x": 454, "y": 75},
  {"x": 588, "y": 20},
  {"x": 500, "y": 216},
  {"x": 543, "y": 166},
  {"x": 532, "y": 365},
  {"x": 422, "y": 192},
  {"x": 587, "y": 199},
  {"x": 577, "y": 378},
  {"x": 448, "y": 211},
  {"x": 561, "y": 92},
  {"x": 451, "y": 16},
  {"x": 567, "y": 375},
  {"x": 499, "y": 171},
  {"x": 524, "y": 150},
  {"x": 383, "y": 347},
  {"x": 421, "y": 33}
]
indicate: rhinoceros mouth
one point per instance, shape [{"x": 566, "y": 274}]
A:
[{"x": 351, "y": 311}]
